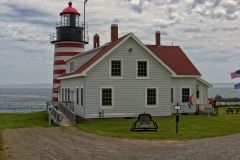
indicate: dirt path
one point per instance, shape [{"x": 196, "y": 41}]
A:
[{"x": 72, "y": 144}]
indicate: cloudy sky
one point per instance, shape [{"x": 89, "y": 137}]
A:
[{"x": 207, "y": 30}]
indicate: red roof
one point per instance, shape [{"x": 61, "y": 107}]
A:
[
  {"x": 70, "y": 10},
  {"x": 172, "y": 56},
  {"x": 175, "y": 58}
]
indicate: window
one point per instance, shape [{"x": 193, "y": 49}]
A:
[
  {"x": 142, "y": 68},
  {"x": 185, "y": 95},
  {"x": 68, "y": 98},
  {"x": 198, "y": 94},
  {"x": 151, "y": 96},
  {"x": 81, "y": 96},
  {"x": 77, "y": 96},
  {"x": 66, "y": 20},
  {"x": 62, "y": 94},
  {"x": 172, "y": 95},
  {"x": 116, "y": 68},
  {"x": 107, "y": 96},
  {"x": 66, "y": 94},
  {"x": 71, "y": 66}
]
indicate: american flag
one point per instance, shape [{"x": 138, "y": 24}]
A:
[{"x": 235, "y": 74}]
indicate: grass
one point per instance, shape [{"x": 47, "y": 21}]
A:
[
  {"x": 190, "y": 127},
  {"x": 21, "y": 120},
  {"x": 1, "y": 147}
]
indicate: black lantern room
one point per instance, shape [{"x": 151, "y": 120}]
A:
[{"x": 70, "y": 28}]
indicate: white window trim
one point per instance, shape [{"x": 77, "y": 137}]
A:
[
  {"x": 110, "y": 69},
  {"x": 107, "y": 107},
  {"x": 137, "y": 60},
  {"x": 151, "y": 106},
  {"x": 190, "y": 93},
  {"x": 173, "y": 95}
]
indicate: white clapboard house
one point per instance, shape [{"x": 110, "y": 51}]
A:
[{"x": 126, "y": 77}]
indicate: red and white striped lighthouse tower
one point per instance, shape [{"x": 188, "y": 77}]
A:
[{"x": 69, "y": 41}]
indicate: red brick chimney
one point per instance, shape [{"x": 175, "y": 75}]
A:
[
  {"x": 96, "y": 41},
  {"x": 158, "y": 38},
  {"x": 114, "y": 32}
]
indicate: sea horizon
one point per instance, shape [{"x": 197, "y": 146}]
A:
[{"x": 36, "y": 95}]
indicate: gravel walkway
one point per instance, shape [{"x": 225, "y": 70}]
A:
[{"x": 72, "y": 144}]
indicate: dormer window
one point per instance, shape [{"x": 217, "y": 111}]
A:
[{"x": 71, "y": 65}]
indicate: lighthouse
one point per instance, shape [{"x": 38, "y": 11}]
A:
[{"x": 70, "y": 39}]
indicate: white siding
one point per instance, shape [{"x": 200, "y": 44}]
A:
[
  {"x": 129, "y": 92},
  {"x": 73, "y": 83},
  {"x": 80, "y": 60},
  {"x": 178, "y": 84},
  {"x": 203, "y": 93}
]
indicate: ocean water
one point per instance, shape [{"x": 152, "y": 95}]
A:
[
  {"x": 23, "y": 98},
  {"x": 225, "y": 92},
  {"x": 37, "y": 97}
]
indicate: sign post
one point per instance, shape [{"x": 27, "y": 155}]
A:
[{"x": 177, "y": 107}]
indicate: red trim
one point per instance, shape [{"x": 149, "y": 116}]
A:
[
  {"x": 65, "y": 53},
  {"x": 70, "y": 10},
  {"x": 59, "y": 71},
  {"x": 56, "y": 81},
  {"x": 54, "y": 99},
  {"x": 59, "y": 62},
  {"x": 75, "y": 45}
]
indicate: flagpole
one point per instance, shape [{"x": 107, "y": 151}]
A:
[{"x": 84, "y": 23}]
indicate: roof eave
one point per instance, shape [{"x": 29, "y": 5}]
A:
[
  {"x": 205, "y": 82},
  {"x": 72, "y": 76},
  {"x": 85, "y": 52},
  {"x": 186, "y": 76}
]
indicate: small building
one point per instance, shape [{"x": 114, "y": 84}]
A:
[{"x": 124, "y": 77}]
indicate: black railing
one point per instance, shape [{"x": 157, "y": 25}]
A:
[
  {"x": 68, "y": 24},
  {"x": 83, "y": 36}
]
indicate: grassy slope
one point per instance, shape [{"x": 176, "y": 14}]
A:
[
  {"x": 21, "y": 120},
  {"x": 1, "y": 146},
  {"x": 191, "y": 127}
]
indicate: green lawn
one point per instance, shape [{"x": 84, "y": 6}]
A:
[
  {"x": 21, "y": 120},
  {"x": 191, "y": 127}
]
